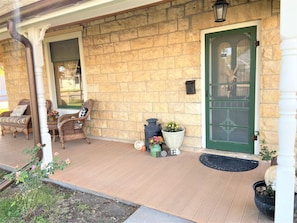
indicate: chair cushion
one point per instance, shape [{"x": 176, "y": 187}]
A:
[
  {"x": 16, "y": 119},
  {"x": 19, "y": 110},
  {"x": 83, "y": 112}
]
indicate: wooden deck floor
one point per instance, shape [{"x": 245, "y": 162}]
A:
[{"x": 178, "y": 185}]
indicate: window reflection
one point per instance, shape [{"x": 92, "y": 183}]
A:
[
  {"x": 233, "y": 69},
  {"x": 68, "y": 83}
]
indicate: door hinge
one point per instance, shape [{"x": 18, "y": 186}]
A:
[{"x": 257, "y": 43}]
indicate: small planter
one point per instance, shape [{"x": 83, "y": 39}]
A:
[
  {"x": 264, "y": 202},
  {"x": 155, "y": 150},
  {"x": 174, "y": 140},
  {"x": 152, "y": 129}
]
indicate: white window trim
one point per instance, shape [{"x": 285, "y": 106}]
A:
[
  {"x": 257, "y": 84},
  {"x": 50, "y": 68}
]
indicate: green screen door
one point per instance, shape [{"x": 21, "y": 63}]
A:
[{"x": 230, "y": 89}]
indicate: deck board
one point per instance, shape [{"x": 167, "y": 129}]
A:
[{"x": 178, "y": 185}]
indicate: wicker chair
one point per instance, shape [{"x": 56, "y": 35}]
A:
[
  {"x": 70, "y": 126},
  {"x": 22, "y": 123}
]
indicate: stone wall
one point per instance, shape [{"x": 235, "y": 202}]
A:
[
  {"x": 270, "y": 74},
  {"x": 137, "y": 63},
  {"x": 13, "y": 58},
  {"x": 14, "y": 63}
]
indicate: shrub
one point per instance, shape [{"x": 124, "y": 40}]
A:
[{"x": 30, "y": 178}]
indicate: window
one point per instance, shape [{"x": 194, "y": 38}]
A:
[
  {"x": 66, "y": 61},
  {"x": 64, "y": 64}
]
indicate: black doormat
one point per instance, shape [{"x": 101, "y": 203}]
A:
[{"x": 226, "y": 163}]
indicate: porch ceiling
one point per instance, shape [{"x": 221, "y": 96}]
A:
[{"x": 60, "y": 12}]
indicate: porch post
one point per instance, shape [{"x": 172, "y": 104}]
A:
[
  {"x": 285, "y": 181},
  {"x": 36, "y": 35}
]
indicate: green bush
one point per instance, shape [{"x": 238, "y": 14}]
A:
[
  {"x": 32, "y": 192},
  {"x": 265, "y": 153}
]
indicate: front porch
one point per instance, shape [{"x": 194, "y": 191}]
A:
[{"x": 178, "y": 185}]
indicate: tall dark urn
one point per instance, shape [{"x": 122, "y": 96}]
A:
[{"x": 150, "y": 130}]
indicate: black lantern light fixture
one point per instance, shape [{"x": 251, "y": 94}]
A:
[{"x": 220, "y": 10}]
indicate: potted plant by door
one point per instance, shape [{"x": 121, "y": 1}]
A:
[
  {"x": 173, "y": 136},
  {"x": 265, "y": 193},
  {"x": 265, "y": 189}
]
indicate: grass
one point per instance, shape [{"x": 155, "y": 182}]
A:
[
  {"x": 58, "y": 204},
  {"x": 11, "y": 209}
]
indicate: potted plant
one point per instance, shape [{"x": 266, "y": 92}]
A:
[
  {"x": 265, "y": 189},
  {"x": 173, "y": 136},
  {"x": 53, "y": 115},
  {"x": 265, "y": 193},
  {"x": 155, "y": 145}
]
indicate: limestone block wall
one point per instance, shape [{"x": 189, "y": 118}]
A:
[
  {"x": 14, "y": 63},
  {"x": 13, "y": 58},
  {"x": 269, "y": 85},
  {"x": 137, "y": 63}
]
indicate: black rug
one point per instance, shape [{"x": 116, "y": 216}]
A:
[{"x": 226, "y": 163}]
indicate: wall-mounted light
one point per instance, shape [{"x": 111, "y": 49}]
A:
[{"x": 220, "y": 10}]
